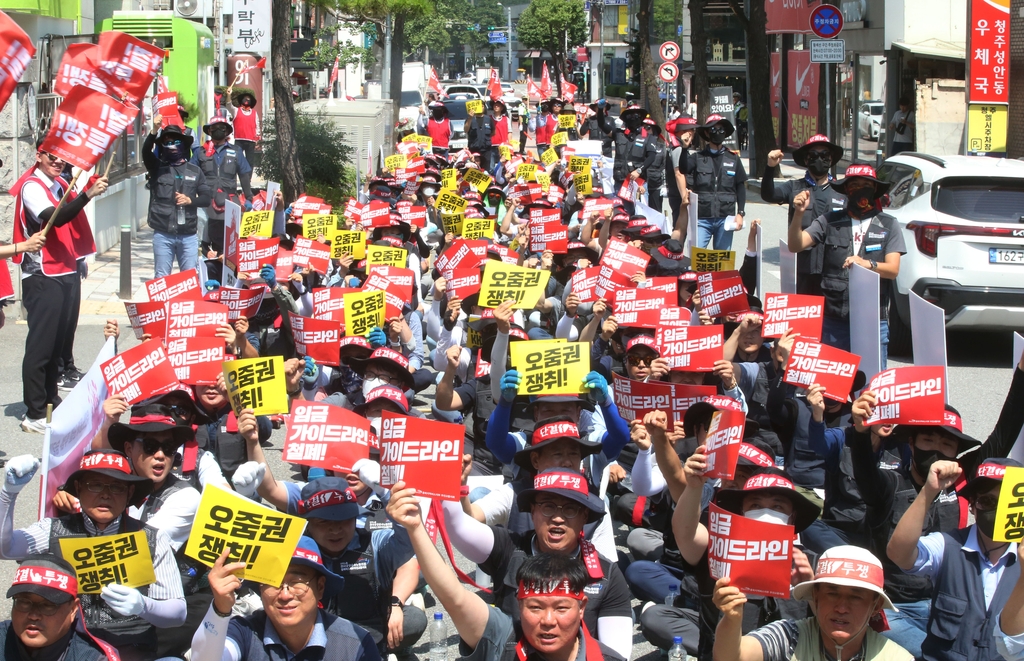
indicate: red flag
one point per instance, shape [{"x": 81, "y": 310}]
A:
[
  {"x": 494, "y": 86},
  {"x": 425, "y": 454},
  {"x": 757, "y": 556},
  {"x": 434, "y": 85},
  {"x": 326, "y": 436},
  {"x": 140, "y": 372},
  {"x": 196, "y": 360},
  {"x": 334, "y": 72},
  {"x": 85, "y": 125},
  {"x": 78, "y": 67},
  {"x": 545, "y": 82},
  {"x": 18, "y": 51},
  {"x": 812, "y": 362},
  {"x": 127, "y": 64},
  {"x": 532, "y": 89},
  {"x": 568, "y": 89}
]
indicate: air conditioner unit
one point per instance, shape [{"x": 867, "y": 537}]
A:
[{"x": 193, "y": 9}]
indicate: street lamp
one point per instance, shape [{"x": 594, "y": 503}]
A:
[{"x": 508, "y": 40}]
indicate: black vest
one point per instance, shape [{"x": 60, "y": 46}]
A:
[
  {"x": 361, "y": 601},
  {"x": 78, "y": 647},
  {"x": 824, "y": 199},
  {"x": 844, "y": 507},
  {"x": 715, "y": 187},
  {"x": 838, "y": 245},
  {"x": 802, "y": 463},
  {"x": 100, "y": 619},
  {"x": 192, "y": 571},
  {"x": 623, "y": 145},
  {"x": 960, "y": 627},
  {"x": 222, "y": 179},
  {"x": 636, "y": 152},
  {"x": 163, "y": 211},
  {"x": 480, "y": 129},
  {"x": 228, "y": 447}
]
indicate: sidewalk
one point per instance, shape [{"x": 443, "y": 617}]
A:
[{"x": 100, "y": 289}]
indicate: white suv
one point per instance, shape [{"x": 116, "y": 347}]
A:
[{"x": 963, "y": 223}]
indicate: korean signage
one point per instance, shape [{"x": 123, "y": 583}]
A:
[
  {"x": 814, "y": 363},
  {"x": 100, "y": 561},
  {"x": 802, "y": 97},
  {"x": 252, "y": 26},
  {"x": 258, "y": 384},
  {"x": 909, "y": 396},
  {"x": 326, "y": 436},
  {"x": 989, "y": 52},
  {"x": 987, "y": 125},
  {"x": 551, "y": 367},
  {"x": 140, "y": 372},
  {"x": 425, "y": 454},
  {"x": 757, "y": 556}
]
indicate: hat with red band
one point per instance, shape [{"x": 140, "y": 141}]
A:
[
  {"x": 149, "y": 418},
  {"x": 307, "y": 554},
  {"x": 47, "y": 576},
  {"x": 952, "y": 425},
  {"x": 700, "y": 413},
  {"x": 775, "y": 482},
  {"x": 753, "y": 456},
  {"x": 988, "y": 474},
  {"x": 850, "y": 566},
  {"x": 388, "y": 393},
  {"x": 110, "y": 463},
  {"x": 800, "y": 155},
  {"x": 643, "y": 341},
  {"x": 636, "y": 224},
  {"x": 551, "y": 589},
  {"x": 361, "y": 346},
  {"x": 385, "y": 357},
  {"x": 548, "y": 432},
  {"x": 536, "y": 400},
  {"x": 712, "y": 121},
  {"x": 567, "y": 484},
  {"x": 328, "y": 498},
  {"x": 861, "y": 171}
]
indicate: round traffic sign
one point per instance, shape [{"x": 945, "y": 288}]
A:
[
  {"x": 826, "y": 21},
  {"x": 669, "y": 51},
  {"x": 668, "y": 72}
]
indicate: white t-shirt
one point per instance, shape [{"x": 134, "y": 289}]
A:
[{"x": 908, "y": 133}]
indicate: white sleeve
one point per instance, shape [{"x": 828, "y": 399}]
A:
[
  {"x": 434, "y": 320},
  {"x": 473, "y": 539},
  {"x": 210, "y": 472},
  {"x": 647, "y": 478},
  {"x": 567, "y": 329},
  {"x": 497, "y": 505},
  {"x": 34, "y": 197},
  {"x": 210, "y": 641},
  {"x": 617, "y": 633},
  {"x": 454, "y": 337},
  {"x": 17, "y": 544},
  {"x": 499, "y": 361},
  {"x": 176, "y": 515}
]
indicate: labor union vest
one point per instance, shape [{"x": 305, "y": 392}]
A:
[
  {"x": 875, "y": 646},
  {"x": 714, "y": 181},
  {"x": 193, "y": 573},
  {"x": 361, "y": 601},
  {"x": 222, "y": 179},
  {"x": 824, "y": 199},
  {"x": 838, "y": 245}
]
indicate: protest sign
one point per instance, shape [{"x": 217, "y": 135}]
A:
[
  {"x": 448, "y": 202},
  {"x": 477, "y": 179},
  {"x": 583, "y": 283},
  {"x": 257, "y": 383},
  {"x": 395, "y": 162},
  {"x": 165, "y": 104},
  {"x": 463, "y": 283},
  {"x": 254, "y": 254},
  {"x": 196, "y": 360},
  {"x": 665, "y": 283},
  {"x": 690, "y": 348},
  {"x": 684, "y": 396},
  {"x": 261, "y": 537},
  {"x": 584, "y": 183},
  {"x": 184, "y": 284},
  {"x": 347, "y": 242},
  {"x": 549, "y": 157},
  {"x": 364, "y": 311},
  {"x": 527, "y": 172},
  {"x": 641, "y": 300},
  {"x": 256, "y": 223},
  {"x": 241, "y": 302},
  {"x": 476, "y": 107},
  {"x": 504, "y": 282},
  {"x": 316, "y": 338},
  {"x": 194, "y": 318},
  {"x": 579, "y": 164},
  {"x": 462, "y": 253},
  {"x": 725, "y": 433},
  {"x": 624, "y": 258},
  {"x": 449, "y": 179},
  {"x": 375, "y": 213},
  {"x": 553, "y": 236},
  {"x": 567, "y": 121},
  {"x": 559, "y": 139},
  {"x": 147, "y": 318},
  {"x": 311, "y": 254},
  {"x": 326, "y": 436},
  {"x": 128, "y": 64},
  {"x": 329, "y": 303},
  {"x": 386, "y": 256},
  {"x": 307, "y": 204},
  {"x": 85, "y": 125},
  {"x": 722, "y": 293},
  {"x": 909, "y": 396},
  {"x": 706, "y": 261},
  {"x": 551, "y": 367},
  {"x": 100, "y": 561},
  {"x": 478, "y": 228},
  {"x": 610, "y": 281},
  {"x": 140, "y": 372},
  {"x": 756, "y": 556},
  {"x": 635, "y": 399},
  {"x": 800, "y": 313},
  {"x": 544, "y": 179},
  {"x": 812, "y": 362},
  {"x": 596, "y": 205},
  {"x": 425, "y": 454},
  {"x": 452, "y": 223},
  {"x": 285, "y": 264},
  {"x": 415, "y": 215},
  {"x": 1010, "y": 509},
  {"x": 319, "y": 225}
]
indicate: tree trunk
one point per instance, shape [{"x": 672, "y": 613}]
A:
[
  {"x": 760, "y": 71},
  {"x": 397, "y": 63},
  {"x": 699, "y": 46},
  {"x": 293, "y": 183},
  {"x": 558, "y": 61},
  {"x": 648, "y": 73}
]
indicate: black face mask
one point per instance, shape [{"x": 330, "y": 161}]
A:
[
  {"x": 986, "y": 522},
  {"x": 923, "y": 460},
  {"x": 171, "y": 153},
  {"x": 437, "y": 114},
  {"x": 716, "y": 135},
  {"x": 819, "y": 165},
  {"x": 218, "y": 134},
  {"x": 861, "y": 202}
]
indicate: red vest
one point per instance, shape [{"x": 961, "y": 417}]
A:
[
  {"x": 440, "y": 132},
  {"x": 543, "y": 133},
  {"x": 64, "y": 245},
  {"x": 500, "y": 135},
  {"x": 246, "y": 125}
]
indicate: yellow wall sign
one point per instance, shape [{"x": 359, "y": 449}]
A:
[
  {"x": 256, "y": 223},
  {"x": 559, "y": 139},
  {"x": 1010, "y": 511},
  {"x": 319, "y": 225},
  {"x": 364, "y": 311},
  {"x": 347, "y": 242},
  {"x": 395, "y": 162},
  {"x": 100, "y": 561},
  {"x": 507, "y": 282},
  {"x": 478, "y": 228},
  {"x": 550, "y": 367},
  {"x": 263, "y": 538},
  {"x": 386, "y": 256},
  {"x": 258, "y": 384},
  {"x": 705, "y": 260},
  {"x": 476, "y": 107},
  {"x": 986, "y": 128}
]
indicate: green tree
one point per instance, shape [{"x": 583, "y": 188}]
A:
[
  {"x": 322, "y": 150},
  {"x": 555, "y": 26},
  {"x": 324, "y": 51},
  {"x": 759, "y": 67}
]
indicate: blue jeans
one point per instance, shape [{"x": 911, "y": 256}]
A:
[
  {"x": 907, "y": 628},
  {"x": 168, "y": 246},
  {"x": 713, "y": 228},
  {"x": 883, "y": 333},
  {"x": 650, "y": 581},
  {"x": 835, "y": 333}
]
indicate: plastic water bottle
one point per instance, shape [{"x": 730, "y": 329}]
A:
[
  {"x": 439, "y": 639},
  {"x": 677, "y": 653},
  {"x": 670, "y": 598}
]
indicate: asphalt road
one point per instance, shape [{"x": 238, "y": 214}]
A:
[{"x": 979, "y": 374}]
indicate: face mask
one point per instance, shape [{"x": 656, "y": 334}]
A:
[
  {"x": 716, "y": 135},
  {"x": 218, "y": 134},
  {"x": 437, "y": 114},
  {"x": 171, "y": 153},
  {"x": 353, "y": 282},
  {"x": 371, "y": 384},
  {"x": 986, "y": 522},
  {"x": 861, "y": 202},
  {"x": 767, "y": 516},
  {"x": 818, "y": 165},
  {"x": 246, "y": 103},
  {"x": 375, "y": 423},
  {"x": 429, "y": 192},
  {"x": 923, "y": 460}
]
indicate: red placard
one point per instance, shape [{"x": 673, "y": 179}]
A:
[
  {"x": 909, "y": 396},
  {"x": 147, "y": 317},
  {"x": 376, "y": 213},
  {"x": 285, "y": 265},
  {"x": 140, "y": 372},
  {"x": 812, "y": 362},
  {"x": 583, "y": 283},
  {"x": 127, "y": 64},
  {"x": 462, "y": 253},
  {"x": 78, "y": 68},
  {"x": 395, "y": 296},
  {"x": 165, "y": 104},
  {"x": 553, "y": 236},
  {"x": 641, "y": 300},
  {"x": 624, "y": 258},
  {"x": 596, "y": 205},
  {"x": 329, "y": 303},
  {"x": 254, "y": 253},
  {"x": 425, "y": 454},
  {"x": 401, "y": 280},
  {"x": 654, "y": 318},
  {"x": 788, "y": 17},
  {"x": 242, "y": 302},
  {"x": 307, "y": 204},
  {"x": 666, "y": 283},
  {"x": 756, "y": 556},
  {"x": 184, "y": 285},
  {"x": 197, "y": 361},
  {"x": 690, "y": 348},
  {"x": 316, "y": 338},
  {"x": 463, "y": 283},
  {"x": 85, "y": 125},
  {"x": 507, "y": 256},
  {"x": 725, "y": 433},
  {"x": 311, "y": 254},
  {"x": 799, "y": 312},
  {"x": 525, "y": 193},
  {"x": 684, "y": 396},
  {"x": 194, "y": 318},
  {"x": 416, "y": 216},
  {"x": 722, "y": 293},
  {"x": 326, "y": 436},
  {"x": 610, "y": 281},
  {"x": 988, "y": 46},
  {"x": 802, "y": 96},
  {"x": 635, "y": 399},
  {"x": 545, "y": 215}
]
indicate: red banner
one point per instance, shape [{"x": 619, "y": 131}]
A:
[
  {"x": 549, "y": 236},
  {"x": 756, "y": 556},
  {"x": 690, "y": 348},
  {"x": 326, "y": 436},
  {"x": 127, "y": 64},
  {"x": 194, "y": 318},
  {"x": 802, "y": 97},
  {"x": 312, "y": 254},
  {"x": 641, "y": 300},
  {"x": 316, "y": 338},
  {"x": 147, "y": 317},
  {"x": 583, "y": 283},
  {"x": 909, "y": 396},
  {"x": 184, "y": 285},
  {"x": 776, "y": 92},
  {"x": 140, "y": 372},
  {"x": 797, "y": 312},
  {"x": 722, "y": 293},
  {"x": 85, "y": 125},
  {"x": 254, "y": 253},
  {"x": 464, "y": 282},
  {"x": 196, "y": 360},
  {"x": 624, "y": 258},
  {"x": 988, "y": 46},
  {"x": 789, "y": 16},
  {"x": 242, "y": 302},
  {"x": 812, "y": 362},
  {"x": 78, "y": 68},
  {"x": 725, "y": 433},
  {"x": 425, "y": 454}
]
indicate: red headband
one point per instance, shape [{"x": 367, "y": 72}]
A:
[
  {"x": 555, "y": 430},
  {"x": 143, "y": 419},
  {"x": 47, "y": 578},
  {"x": 327, "y": 498},
  {"x": 991, "y": 471},
  {"x": 552, "y": 589}
]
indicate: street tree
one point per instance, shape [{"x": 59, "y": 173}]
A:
[
  {"x": 555, "y": 26},
  {"x": 292, "y": 182},
  {"x": 699, "y": 47},
  {"x": 649, "y": 81},
  {"x": 759, "y": 70}
]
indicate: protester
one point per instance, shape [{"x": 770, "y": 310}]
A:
[
  {"x": 720, "y": 183},
  {"x": 245, "y": 120}
]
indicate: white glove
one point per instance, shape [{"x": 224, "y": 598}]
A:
[
  {"x": 20, "y": 471},
  {"x": 123, "y": 600},
  {"x": 248, "y": 477},
  {"x": 368, "y": 471}
]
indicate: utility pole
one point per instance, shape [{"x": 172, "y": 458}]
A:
[
  {"x": 600, "y": 56},
  {"x": 385, "y": 76}
]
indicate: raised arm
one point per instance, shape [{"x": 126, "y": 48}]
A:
[{"x": 691, "y": 535}]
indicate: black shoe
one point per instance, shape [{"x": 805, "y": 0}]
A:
[{"x": 69, "y": 379}]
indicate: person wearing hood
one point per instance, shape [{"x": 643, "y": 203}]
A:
[
  {"x": 720, "y": 183},
  {"x": 859, "y": 235},
  {"x": 177, "y": 190}
]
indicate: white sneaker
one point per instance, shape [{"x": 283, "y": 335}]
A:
[
  {"x": 646, "y": 606},
  {"x": 37, "y": 426}
]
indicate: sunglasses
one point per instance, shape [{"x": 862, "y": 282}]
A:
[
  {"x": 53, "y": 159},
  {"x": 637, "y": 361},
  {"x": 151, "y": 446}
]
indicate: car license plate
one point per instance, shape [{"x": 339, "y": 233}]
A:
[{"x": 1004, "y": 256}]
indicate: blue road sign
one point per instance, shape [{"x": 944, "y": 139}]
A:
[
  {"x": 497, "y": 37},
  {"x": 826, "y": 21}
]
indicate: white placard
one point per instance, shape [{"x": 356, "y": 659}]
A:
[
  {"x": 928, "y": 330},
  {"x": 865, "y": 338},
  {"x": 1017, "y": 451},
  {"x": 760, "y": 260},
  {"x": 691, "y": 232},
  {"x": 787, "y": 269},
  {"x": 828, "y": 51},
  {"x": 251, "y": 30}
]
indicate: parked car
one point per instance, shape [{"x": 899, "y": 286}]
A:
[
  {"x": 963, "y": 223},
  {"x": 462, "y": 92},
  {"x": 410, "y": 105},
  {"x": 457, "y": 114},
  {"x": 870, "y": 119}
]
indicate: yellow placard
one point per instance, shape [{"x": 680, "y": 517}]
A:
[
  {"x": 319, "y": 225},
  {"x": 566, "y": 121},
  {"x": 559, "y": 138},
  {"x": 258, "y": 384},
  {"x": 986, "y": 128},
  {"x": 100, "y": 561},
  {"x": 478, "y": 228},
  {"x": 506, "y": 282},
  {"x": 395, "y": 162},
  {"x": 256, "y": 223},
  {"x": 527, "y": 172},
  {"x": 452, "y": 223},
  {"x": 544, "y": 180},
  {"x": 579, "y": 164},
  {"x": 505, "y": 153},
  {"x": 348, "y": 242},
  {"x": 386, "y": 256},
  {"x": 1010, "y": 511},
  {"x": 422, "y": 140},
  {"x": 448, "y": 202},
  {"x": 476, "y": 107},
  {"x": 551, "y": 368},
  {"x": 549, "y": 156},
  {"x": 449, "y": 179},
  {"x": 364, "y": 311},
  {"x": 705, "y": 260},
  {"x": 584, "y": 183},
  {"x": 261, "y": 537},
  {"x": 478, "y": 179}
]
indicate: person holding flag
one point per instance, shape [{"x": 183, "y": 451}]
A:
[
  {"x": 245, "y": 120},
  {"x": 438, "y": 127}
]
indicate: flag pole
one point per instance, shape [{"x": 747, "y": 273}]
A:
[{"x": 53, "y": 216}]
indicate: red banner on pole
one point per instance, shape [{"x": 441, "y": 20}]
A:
[
  {"x": 197, "y": 361},
  {"x": 797, "y": 312},
  {"x": 326, "y": 436},
  {"x": 85, "y": 125},
  {"x": 127, "y": 64},
  {"x": 18, "y": 52},
  {"x": 147, "y": 318},
  {"x": 425, "y": 454},
  {"x": 690, "y": 348},
  {"x": 802, "y": 97},
  {"x": 194, "y": 318},
  {"x": 755, "y": 555},
  {"x": 316, "y": 338},
  {"x": 183, "y": 285},
  {"x": 812, "y": 362},
  {"x": 78, "y": 68},
  {"x": 254, "y": 253},
  {"x": 988, "y": 47},
  {"x": 725, "y": 433},
  {"x": 909, "y": 396},
  {"x": 722, "y": 293},
  {"x": 140, "y": 372},
  {"x": 242, "y": 302}
]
